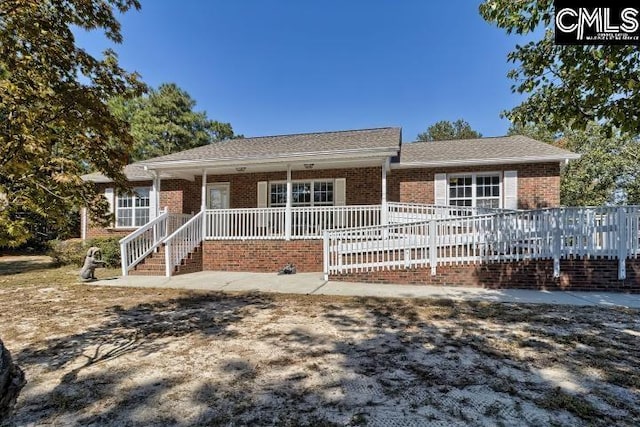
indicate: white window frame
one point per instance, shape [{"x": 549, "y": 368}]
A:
[
  {"x": 312, "y": 183},
  {"x": 474, "y": 180},
  {"x": 134, "y": 197}
]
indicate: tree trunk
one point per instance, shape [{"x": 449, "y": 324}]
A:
[{"x": 11, "y": 382}]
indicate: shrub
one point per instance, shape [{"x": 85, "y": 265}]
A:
[
  {"x": 110, "y": 247},
  {"x": 67, "y": 252},
  {"x": 73, "y": 251}
]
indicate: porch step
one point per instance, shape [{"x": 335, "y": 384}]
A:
[
  {"x": 154, "y": 264},
  {"x": 192, "y": 263}
]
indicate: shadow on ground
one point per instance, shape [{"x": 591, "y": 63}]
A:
[{"x": 253, "y": 359}]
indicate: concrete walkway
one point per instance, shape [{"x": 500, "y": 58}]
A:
[{"x": 313, "y": 284}]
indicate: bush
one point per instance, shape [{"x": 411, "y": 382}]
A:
[
  {"x": 73, "y": 251},
  {"x": 67, "y": 252},
  {"x": 110, "y": 247}
]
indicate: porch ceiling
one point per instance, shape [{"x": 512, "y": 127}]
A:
[{"x": 184, "y": 172}]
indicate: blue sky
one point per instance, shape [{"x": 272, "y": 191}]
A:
[{"x": 288, "y": 66}]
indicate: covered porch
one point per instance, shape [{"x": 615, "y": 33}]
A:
[{"x": 293, "y": 198}]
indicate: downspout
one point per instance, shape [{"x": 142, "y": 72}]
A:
[
  {"x": 203, "y": 203},
  {"x": 287, "y": 212},
  {"x": 384, "y": 209}
]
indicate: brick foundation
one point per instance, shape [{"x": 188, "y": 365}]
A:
[
  {"x": 575, "y": 275},
  {"x": 262, "y": 256}
]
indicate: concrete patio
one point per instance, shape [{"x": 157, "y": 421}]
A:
[{"x": 313, "y": 284}]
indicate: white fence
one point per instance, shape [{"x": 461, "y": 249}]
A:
[
  {"x": 401, "y": 213},
  {"x": 182, "y": 241},
  {"x": 139, "y": 244},
  {"x": 270, "y": 223},
  {"x": 606, "y": 232}
]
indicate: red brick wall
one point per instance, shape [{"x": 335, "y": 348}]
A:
[
  {"x": 364, "y": 185},
  {"x": 575, "y": 274},
  {"x": 180, "y": 196},
  {"x": 265, "y": 256},
  {"x": 538, "y": 183}
]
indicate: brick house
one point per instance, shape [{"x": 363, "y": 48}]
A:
[{"x": 255, "y": 204}]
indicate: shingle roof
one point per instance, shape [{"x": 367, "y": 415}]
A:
[
  {"x": 505, "y": 149},
  {"x": 282, "y": 145},
  {"x": 133, "y": 172},
  {"x": 481, "y": 150}
]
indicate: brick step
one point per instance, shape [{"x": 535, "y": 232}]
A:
[{"x": 149, "y": 268}]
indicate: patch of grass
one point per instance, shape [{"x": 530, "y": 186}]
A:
[{"x": 576, "y": 405}]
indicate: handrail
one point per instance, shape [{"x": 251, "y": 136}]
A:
[
  {"x": 548, "y": 233},
  {"x": 182, "y": 241},
  {"x": 140, "y": 243}
]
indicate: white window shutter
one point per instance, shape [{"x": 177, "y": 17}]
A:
[
  {"x": 440, "y": 189},
  {"x": 510, "y": 185},
  {"x": 262, "y": 194},
  {"x": 340, "y": 192},
  {"x": 109, "y": 195}
]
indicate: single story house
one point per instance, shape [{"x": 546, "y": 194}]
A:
[{"x": 256, "y": 204}]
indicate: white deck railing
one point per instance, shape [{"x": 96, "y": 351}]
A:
[
  {"x": 310, "y": 222},
  {"x": 400, "y": 213},
  {"x": 182, "y": 241},
  {"x": 269, "y": 223},
  {"x": 234, "y": 224},
  {"x": 139, "y": 244},
  {"x": 606, "y": 232}
]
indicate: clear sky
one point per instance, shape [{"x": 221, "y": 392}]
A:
[{"x": 287, "y": 66}]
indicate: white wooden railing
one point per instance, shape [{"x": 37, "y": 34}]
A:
[
  {"x": 269, "y": 223},
  {"x": 310, "y": 222},
  {"x": 234, "y": 224},
  {"x": 607, "y": 232},
  {"x": 139, "y": 244},
  {"x": 182, "y": 241},
  {"x": 400, "y": 213}
]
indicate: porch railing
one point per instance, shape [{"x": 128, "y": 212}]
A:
[
  {"x": 269, "y": 223},
  {"x": 400, "y": 213},
  {"x": 138, "y": 245},
  {"x": 182, "y": 241},
  {"x": 605, "y": 232}
]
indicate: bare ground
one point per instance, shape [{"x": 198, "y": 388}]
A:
[{"x": 115, "y": 356}]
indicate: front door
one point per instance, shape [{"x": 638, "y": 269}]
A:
[{"x": 218, "y": 196}]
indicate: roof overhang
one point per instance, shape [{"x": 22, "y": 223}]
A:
[
  {"x": 481, "y": 162},
  {"x": 188, "y": 169},
  {"x": 282, "y": 160}
]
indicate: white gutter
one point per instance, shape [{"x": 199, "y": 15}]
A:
[{"x": 480, "y": 162}]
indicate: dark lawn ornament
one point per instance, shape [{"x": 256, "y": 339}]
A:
[
  {"x": 91, "y": 262},
  {"x": 288, "y": 269},
  {"x": 11, "y": 382}
]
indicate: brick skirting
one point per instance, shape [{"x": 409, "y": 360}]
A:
[
  {"x": 262, "y": 256},
  {"x": 575, "y": 274}
]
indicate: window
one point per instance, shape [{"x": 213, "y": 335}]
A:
[
  {"x": 132, "y": 210},
  {"x": 479, "y": 190},
  {"x": 303, "y": 193}
]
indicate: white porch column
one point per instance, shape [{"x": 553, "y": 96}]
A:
[
  {"x": 384, "y": 210},
  {"x": 287, "y": 212},
  {"x": 203, "y": 203},
  {"x": 155, "y": 189}
]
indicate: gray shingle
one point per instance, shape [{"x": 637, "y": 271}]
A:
[
  {"x": 482, "y": 149},
  {"x": 275, "y": 146},
  {"x": 133, "y": 172}
]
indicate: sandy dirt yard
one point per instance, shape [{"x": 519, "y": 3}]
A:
[{"x": 118, "y": 357}]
